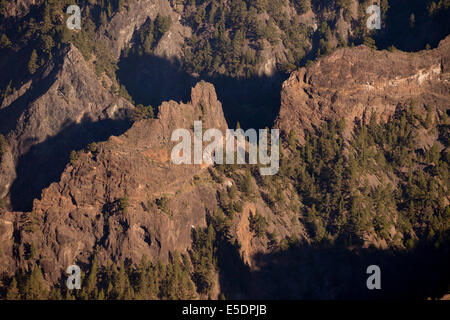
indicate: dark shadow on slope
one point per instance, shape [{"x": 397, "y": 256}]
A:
[
  {"x": 44, "y": 163},
  {"x": 234, "y": 276},
  {"x": 333, "y": 272},
  {"x": 254, "y": 102},
  {"x": 150, "y": 80},
  {"x": 409, "y": 26},
  {"x": 10, "y": 114}
]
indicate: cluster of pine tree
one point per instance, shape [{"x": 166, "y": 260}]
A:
[
  {"x": 237, "y": 35},
  {"x": 149, "y": 35},
  {"x": 3, "y": 146}
]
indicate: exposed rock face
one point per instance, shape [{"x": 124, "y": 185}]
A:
[
  {"x": 119, "y": 31},
  {"x": 81, "y": 213},
  {"x": 74, "y": 96},
  {"x": 353, "y": 83},
  {"x": 65, "y": 108}
]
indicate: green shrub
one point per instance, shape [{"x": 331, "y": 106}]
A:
[
  {"x": 163, "y": 204},
  {"x": 74, "y": 156},
  {"x": 93, "y": 148},
  {"x": 143, "y": 112},
  {"x": 124, "y": 204},
  {"x": 258, "y": 224},
  {"x": 3, "y": 146}
]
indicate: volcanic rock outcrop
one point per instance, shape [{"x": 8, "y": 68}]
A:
[
  {"x": 124, "y": 198},
  {"x": 86, "y": 211},
  {"x": 352, "y": 83}
]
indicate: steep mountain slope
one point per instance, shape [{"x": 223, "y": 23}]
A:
[
  {"x": 85, "y": 213},
  {"x": 363, "y": 175},
  {"x": 82, "y": 214},
  {"x": 118, "y": 32},
  {"x": 354, "y": 83},
  {"x": 62, "y": 108},
  {"x": 123, "y": 199}
]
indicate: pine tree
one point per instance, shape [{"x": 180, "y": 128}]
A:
[
  {"x": 304, "y": 5},
  {"x": 120, "y": 5},
  {"x": 5, "y": 43},
  {"x": 103, "y": 18},
  {"x": 89, "y": 290},
  {"x": 32, "y": 63},
  {"x": 163, "y": 24},
  {"x": 248, "y": 185},
  {"x": 412, "y": 20},
  {"x": 3, "y": 146},
  {"x": 55, "y": 294},
  {"x": 69, "y": 295},
  {"x": 34, "y": 286},
  {"x": 101, "y": 295},
  {"x": 13, "y": 291}
]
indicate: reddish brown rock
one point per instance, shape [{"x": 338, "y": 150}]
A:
[
  {"x": 353, "y": 83},
  {"x": 81, "y": 213}
]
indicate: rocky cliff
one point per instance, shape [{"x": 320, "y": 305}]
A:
[
  {"x": 118, "y": 32},
  {"x": 81, "y": 213},
  {"x": 354, "y": 83},
  {"x": 125, "y": 199},
  {"x": 119, "y": 197}
]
